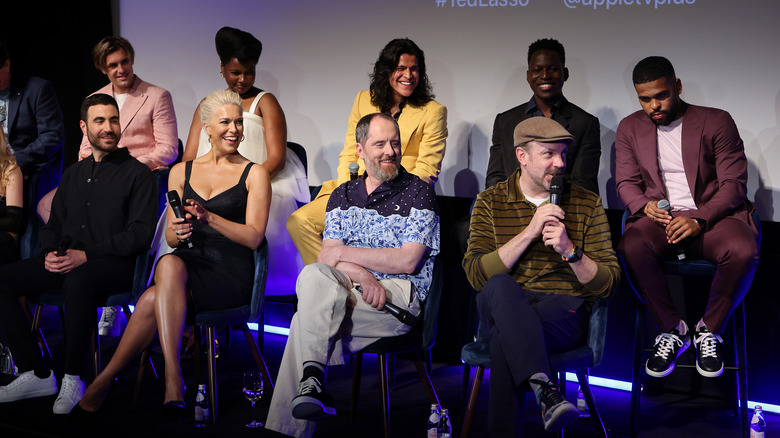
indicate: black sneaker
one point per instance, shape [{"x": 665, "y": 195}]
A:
[
  {"x": 556, "y": 411},
  {"x": 668, "y": 347},
  {"x": 709, "y": 357},
  {"x": 312, "y": 402}
]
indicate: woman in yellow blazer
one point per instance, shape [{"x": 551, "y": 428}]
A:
[{"x": 399, "y": 87}]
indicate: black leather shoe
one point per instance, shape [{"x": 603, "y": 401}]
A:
[
  {"x": 709, "y": 355},
  {"x": 668, "y": 347},
  {"x": 173, "y": 408}
]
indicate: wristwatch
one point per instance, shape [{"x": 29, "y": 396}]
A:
[
  {"x": 701, "y": 223},
  {"x": 575, "y": 256}
]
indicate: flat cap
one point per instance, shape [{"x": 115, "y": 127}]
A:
[{"x": 540, "y": 129}]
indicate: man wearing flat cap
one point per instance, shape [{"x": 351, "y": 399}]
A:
[{"x": 538, "y": 268}]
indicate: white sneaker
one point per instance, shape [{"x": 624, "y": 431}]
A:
[
  {"x": 71, "y": 392},
  {"x": 109, "y": 325},
  {"x": 28, "y": 385}
]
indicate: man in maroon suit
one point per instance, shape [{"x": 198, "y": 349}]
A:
[{"x": 692, "y": 157}]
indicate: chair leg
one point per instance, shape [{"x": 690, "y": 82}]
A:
[
  {"x": 472, "y": 401},
  {"x": 582, "y": 378},
  {"x": 383, "y": 379},
  {"x": 96, "y": 351},
  {"x": 465, "y": 384},
  {"x": 269, "y": 383},
  {"x": 36, "y": 327},
  {"x": 357, "y": 373},
  {"x": 740, "y": 357},
  {"x": 212, "y": 369},
  {"x": 426, "y": 380},
  {"x": 198, "y": 353},
  {"x": 636, "y": 378}
]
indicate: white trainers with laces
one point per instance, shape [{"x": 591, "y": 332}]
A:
[
  {"x": 109, "y": 325},
  {"x": 28, "y": 385},
  {"x": 71, "y": 392}
]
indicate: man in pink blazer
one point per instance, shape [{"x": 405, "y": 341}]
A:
[
  {"x": 692, "y": 159},
  {"x": 146, "y": 111}
]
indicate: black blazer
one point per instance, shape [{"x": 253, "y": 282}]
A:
[{"x": 582, "y": 158}]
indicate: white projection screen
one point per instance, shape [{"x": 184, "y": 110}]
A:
[{"x": 317, "y": 55}]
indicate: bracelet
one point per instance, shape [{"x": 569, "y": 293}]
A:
[{"x": 574, "y": 256}]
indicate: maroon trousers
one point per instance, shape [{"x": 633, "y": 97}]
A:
[{"x": 730, "y": 244}]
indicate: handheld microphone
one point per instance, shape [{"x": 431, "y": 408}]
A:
[
  {"x": 353, "y": 171},
  {"x": 175, "y": 203},
  {"x": 663, "y": 204},
  {"x": 399, "y": 313},
  {"x": 556, "y": 190},
  {"x": 62, "y": 249}
]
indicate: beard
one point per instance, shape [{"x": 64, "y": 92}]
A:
[
  {"x": 98, "y": 143},
  {"x": 383, "y": 173}
]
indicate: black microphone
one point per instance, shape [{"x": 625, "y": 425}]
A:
[
  {"x": 399, "y": 313},
  {"x": 353, "y": 171},
  {"x": 556, "y": 190},
  {"x": 62, "y": 249},
  {"x": 175, "y": 203},
  {"x": 664, "y": 205}
]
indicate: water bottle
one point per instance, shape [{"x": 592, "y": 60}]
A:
[
  {"x": 757, "y": 424},
  {"x": 582, "y": 405},
  {"x": 433, "y": 422},
  {"x": 201, "y": 407},
  {"x": 445, "y": 428}
]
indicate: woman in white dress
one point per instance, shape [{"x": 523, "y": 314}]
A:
[{"x": 265, "y": 129}]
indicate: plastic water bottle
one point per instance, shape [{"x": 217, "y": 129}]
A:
[
  {"x": 445, "y": 427},
  {"x": 201, "y": 407},
  {"x": 757, "y": 424},
  {"x": 433, "y": 422},
  {"x": 582, "y": 405}
]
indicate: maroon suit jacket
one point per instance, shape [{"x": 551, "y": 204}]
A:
[{"x": 713, "y": 157}]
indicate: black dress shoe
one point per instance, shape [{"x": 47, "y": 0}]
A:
[
  {"x": 173, "y": 408},
  {"x": 79, "y": 413}
]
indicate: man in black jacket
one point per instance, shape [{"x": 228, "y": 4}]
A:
[{"x": 546, "y": 74}]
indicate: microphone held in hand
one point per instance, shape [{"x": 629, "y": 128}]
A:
[
  {"x": 62, "y": 249},
  {"x": 175, "y": 203},
  {"x": 399, "y": 313},
  {"x": 556, "y": 190},
  {"x": 353, "y": 171},
  {"x": 663, "y": 204}
]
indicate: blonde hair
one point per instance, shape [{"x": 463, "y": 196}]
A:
[
  {"x": 216, "y": 100},
  {"x": 7, "y": 163}
]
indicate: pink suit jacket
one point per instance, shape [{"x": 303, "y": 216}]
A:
[
  {"x": 148, "y": 125},
  {"x": 713, "y": 158}
]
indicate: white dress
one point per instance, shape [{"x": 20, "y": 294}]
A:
[{"x": 287, "y": 187}]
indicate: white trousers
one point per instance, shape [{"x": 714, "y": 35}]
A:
[{"x": 332, "y": 321}]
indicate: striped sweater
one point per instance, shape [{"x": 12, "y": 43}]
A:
[{"x": 501, "y": 212}]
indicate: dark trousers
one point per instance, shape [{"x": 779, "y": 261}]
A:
[
  {"x": 524, "y": 328},
  {"x": 730, "y": 244},
  {"x": 83, "y": 288}
]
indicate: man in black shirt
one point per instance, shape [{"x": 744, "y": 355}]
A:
[{"x": 102, "y": 217}]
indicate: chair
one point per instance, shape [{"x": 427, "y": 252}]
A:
[
  {"x": 124, "y": 299},
  {"x": 477, "y": 354},
  {"x": 300, "y": 152},
  {"x": 419, "y": 339},
  {"x": 692, "y": 268},
  {"x": 225, "y": 318}
]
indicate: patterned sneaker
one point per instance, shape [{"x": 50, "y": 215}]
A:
[
  {"x": 312, "y": 402},
  {"x": 668, "y": 347},
  {"x": 709, "y": 356},
  {"x": 71, "y": 392},
  {"x": 556, "y": 411},
  {"x": 108, "y": 324},
  {"x": 28, "y": 385}
]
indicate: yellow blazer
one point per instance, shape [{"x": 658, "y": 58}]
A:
[{"x": 423, "y": 140}]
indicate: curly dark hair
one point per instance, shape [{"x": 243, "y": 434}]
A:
[
  {"x": 381, "y": 92},
  {"x": 547, "y": 44},
  {"x": 235, "y": 43},
  {"x": 651, "y": 69}
]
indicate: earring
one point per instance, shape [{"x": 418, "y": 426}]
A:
[
  {"x": 242, "y": 138},
  {"x": 222, "y": 74},
  {"x": 209, "y": 137}
]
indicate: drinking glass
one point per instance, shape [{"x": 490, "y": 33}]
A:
[{"x": 253, "y": 390}]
